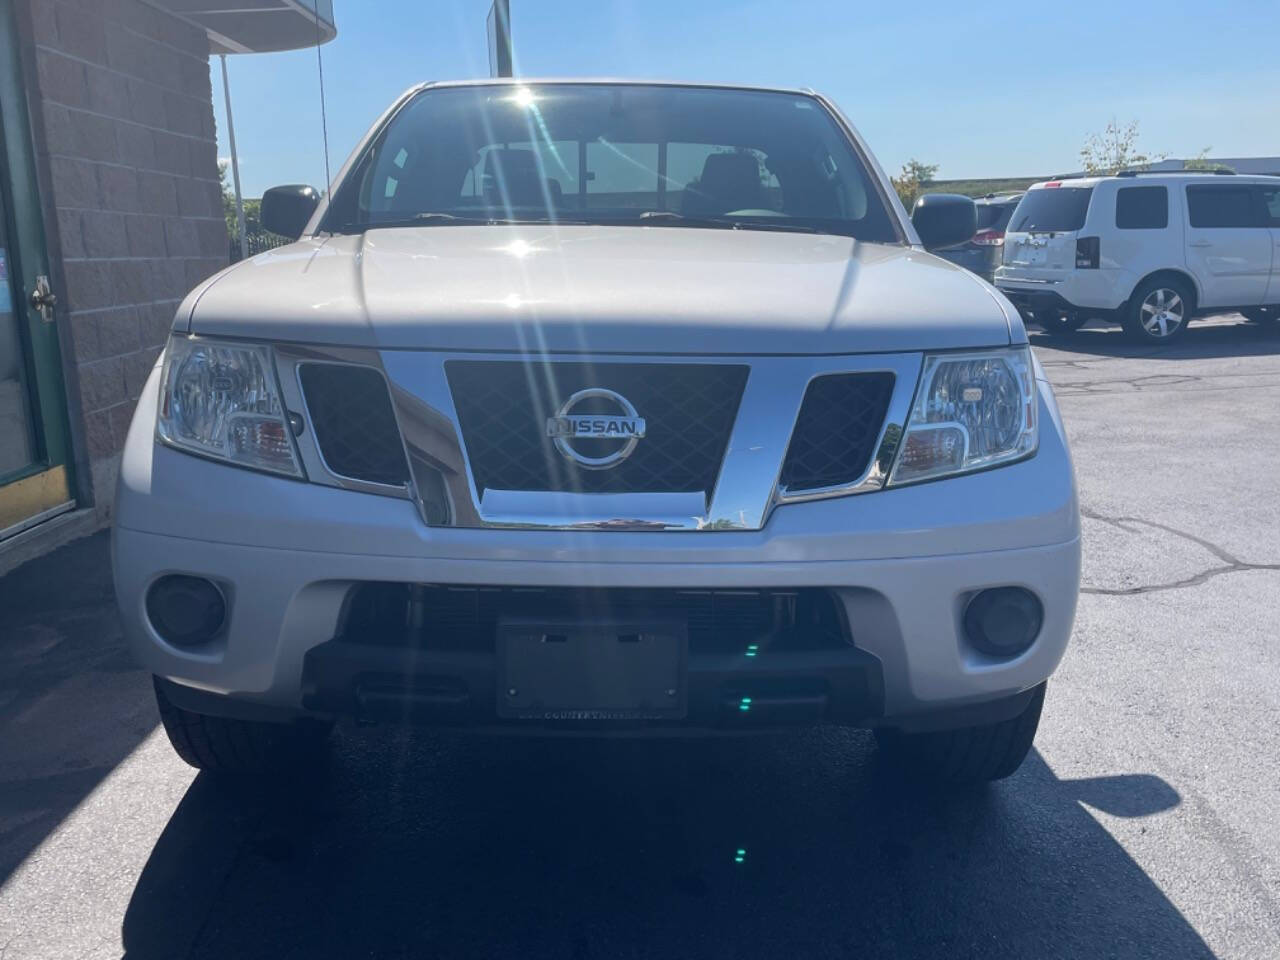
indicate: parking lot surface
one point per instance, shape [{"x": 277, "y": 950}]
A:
[{"x": 1143, "y": 824}]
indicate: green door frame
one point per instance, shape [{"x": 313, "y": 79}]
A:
[{"x": 45, "y": 485}]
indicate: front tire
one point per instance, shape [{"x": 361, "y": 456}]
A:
[
  {"x": 225, "y": 745},
  {"x": 967, "y": 755},
  {"x": 1159, "y": 310}
]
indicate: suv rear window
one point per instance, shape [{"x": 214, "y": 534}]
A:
[
  {"x": 1225, "y": 206},
  {"x": 1052, "y": 210},
  {"x": 1142, "y": 208},
  {"x": 995, "y": 216}
]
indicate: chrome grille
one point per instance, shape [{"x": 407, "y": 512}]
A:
[
  {"x": 836, "y": 432},
  {"x": 503, "y": 406}
]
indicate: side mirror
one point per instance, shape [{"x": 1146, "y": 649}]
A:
[
  {"x": 941, "y": 219},
  {"x": 286, "y": 210}
]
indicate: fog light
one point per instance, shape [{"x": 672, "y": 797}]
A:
[
  {"x": 184, "y": 610},
  {"x": 1003, "y": 621}
]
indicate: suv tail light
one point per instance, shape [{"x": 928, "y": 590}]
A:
[
  {"x": 989, "y": 238},
  {"x": 1088, "y": 253}
]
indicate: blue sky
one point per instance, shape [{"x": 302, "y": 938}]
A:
[{"x": 983, "y": 90}]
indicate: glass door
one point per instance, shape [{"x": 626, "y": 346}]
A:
[
  {"x": 34, "y": 484},
  {"x": 17, "y": 432}
]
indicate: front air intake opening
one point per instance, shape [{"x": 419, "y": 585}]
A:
[
  {"x": 354, "y": 423},
  {"x": 836, "y": 431},
  {"x": 751, "y": 623}
]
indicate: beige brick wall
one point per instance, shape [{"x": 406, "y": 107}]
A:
[{"x": 123, "y": 95}]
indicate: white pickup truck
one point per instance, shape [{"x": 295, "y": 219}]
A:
[{"x": 598, "y": 408}]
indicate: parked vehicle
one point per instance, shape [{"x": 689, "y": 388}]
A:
[
  {"x": 599, "y": 407},
  {"x": 981, "y": 253},
  {"x": 1149, "y": 251}
]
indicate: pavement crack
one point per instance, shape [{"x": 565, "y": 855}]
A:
[
  {"x": 1230, "y": 563},
  {"x": 1138, "y": 383},
  {"x": 1195, "y": 581},
  {"x": 1219, "y": 552}
]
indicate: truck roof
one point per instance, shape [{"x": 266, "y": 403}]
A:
[{"x": 610, "y": 81}]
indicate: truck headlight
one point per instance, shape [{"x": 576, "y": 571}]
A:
[
  {"x": 221, "y": 400},
  {"x": 971, "y": 411}
]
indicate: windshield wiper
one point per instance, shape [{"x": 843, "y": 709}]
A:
[
  {"x": 670, "y": 216},
  {"x": 417, "y": 220},
  {"x": 439, "y": 218},
  {"x": 726, "y": 223},
  {"x": 434, "y": 217}
]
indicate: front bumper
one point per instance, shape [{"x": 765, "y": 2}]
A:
[{"x": 901, "y": 562}]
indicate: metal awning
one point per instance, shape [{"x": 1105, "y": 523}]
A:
[{"x": 257, "y": 26}]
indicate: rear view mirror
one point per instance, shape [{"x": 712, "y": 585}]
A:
[
  {"x": 286, "y": 210},
  {"x": 944, "y": 219}
]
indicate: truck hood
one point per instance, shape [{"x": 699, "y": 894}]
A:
[{"x": 650, "y": 290}]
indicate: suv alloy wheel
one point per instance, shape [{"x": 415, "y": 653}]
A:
[{"x": 1158, "y": 311}]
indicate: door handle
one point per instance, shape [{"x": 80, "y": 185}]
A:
[
  {"x": 44, "y": 299},
  {"x": 1200, "y": 243}
]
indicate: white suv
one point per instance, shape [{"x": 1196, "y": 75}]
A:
[
  {"x": 1149, "y": 251},
  {"x": 598, "y": 407}
]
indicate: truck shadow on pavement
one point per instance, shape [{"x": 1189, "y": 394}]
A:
[
  {"x": 72, "y": 703},
  {"x": 1201, "y": 341},
  {"x": 414, "y": 845}
]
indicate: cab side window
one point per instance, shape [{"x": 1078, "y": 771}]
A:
[{"x": 1142, "y": 208}]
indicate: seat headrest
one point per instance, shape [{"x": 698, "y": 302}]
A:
[
  {"x": 514, "y": 172},
  {"x": 729, "y": 181}
]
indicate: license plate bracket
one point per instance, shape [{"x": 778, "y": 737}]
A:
[{"x": 588, "y": 670}]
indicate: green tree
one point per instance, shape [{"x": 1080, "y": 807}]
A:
[
  {"x": 1201, "y": 161},
  {"x": 1115, "y": 149},
  {"x": 910, "y": 183},
  {"x": 252, "y": 208}
]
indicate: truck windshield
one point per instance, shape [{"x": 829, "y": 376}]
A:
[{"x": 613, "y": 154}]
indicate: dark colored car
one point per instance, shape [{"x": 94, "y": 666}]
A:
[{"x": 981, "y": 252}]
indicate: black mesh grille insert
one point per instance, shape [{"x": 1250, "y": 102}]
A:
[
  {"x": 835, "y": 434},
  {"x": 355, "y": 426},
  {"x": 503, "y": 406},
  {"x": 465, "y": 618}
]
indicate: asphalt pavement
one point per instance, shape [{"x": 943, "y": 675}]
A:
[{"x": 1143, "y": 824}]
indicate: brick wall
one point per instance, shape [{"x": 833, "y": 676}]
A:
[{"x": 124, "y": 98}]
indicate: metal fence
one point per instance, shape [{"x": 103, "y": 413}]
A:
[{"x": 257, "y": 242}]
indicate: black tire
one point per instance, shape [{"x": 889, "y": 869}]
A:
[
  {"x": 1261, "y": 314},
  {"x": 968, "y": 755},
  {"x": 1061, "y": 324},
  {"x": 224, "y": 745},
  {"x": 1159, "y": 310}
]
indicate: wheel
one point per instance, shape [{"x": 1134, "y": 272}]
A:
[
  {"x": 967, "y": 755},
  {"x": 1159, "y": 310},
  {"x": 224, "y": 745},
  {"x": 1060, "y": 324},
  {"x": 1261, "y": 314}
]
